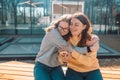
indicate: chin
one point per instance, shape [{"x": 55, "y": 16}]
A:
[
  {"x": 63, "y": 34},
  {"x": 73, "y": 33}
]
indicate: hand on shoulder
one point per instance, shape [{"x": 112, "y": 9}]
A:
[{"x": 93, "y": 40}]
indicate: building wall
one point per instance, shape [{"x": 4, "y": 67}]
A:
[{"x": 66, "y": 7}]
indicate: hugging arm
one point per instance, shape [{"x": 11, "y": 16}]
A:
[
  {"x": 88, "y": 58},
  {"x": 55, "y": 38},
  {"x": 85, "y": 56}
]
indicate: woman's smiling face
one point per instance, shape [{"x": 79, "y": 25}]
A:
[{"x": 76, "y": 27}]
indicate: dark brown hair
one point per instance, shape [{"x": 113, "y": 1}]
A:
[{"x": 85, "y": 33}]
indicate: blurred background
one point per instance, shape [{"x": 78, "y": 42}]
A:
[
  {"x": 30, "y": 16},
  {"x": 22, "y": 23}
]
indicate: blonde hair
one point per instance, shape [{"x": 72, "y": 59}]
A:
[{"x": 55, "y": 23}]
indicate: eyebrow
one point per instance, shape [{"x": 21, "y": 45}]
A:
[{"x": 63, "y": 27}]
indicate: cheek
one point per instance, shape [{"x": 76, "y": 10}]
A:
[
  {"x": 78, "y": 31},
  {"x": 60, "y": 32},
  {"x": 63, "y": 33}
]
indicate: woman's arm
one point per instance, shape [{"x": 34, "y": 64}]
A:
[
  {"x": 93, "y": 40},
  {"x": 87, "y": 59},
  {"x": 93, "y": 45},
  {"x": 55, "y": 38}
]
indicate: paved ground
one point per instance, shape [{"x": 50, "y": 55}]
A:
[
  {"x": 113, "y": 41},
  {"x": 19, "y": 70}
]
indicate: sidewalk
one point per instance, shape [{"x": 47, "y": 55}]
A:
[
  {"x": 112, "y": 41},
  {"x": 19, "y": 70}
]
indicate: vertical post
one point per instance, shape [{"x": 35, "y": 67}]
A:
[
  {"x": 46, "y": 8},
  {"x": 24, "y": 15},
  {"x": 62, "y": 7},
  {"x": 77, "y": 5},
  {"x": 106, "y": 17},
  {"x": 30, "y": 17},
  {"x": 3, "y": 19},
  {"x": 51, "y": 10}
]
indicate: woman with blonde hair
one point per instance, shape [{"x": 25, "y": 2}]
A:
[{"x": 47, "y": 66}]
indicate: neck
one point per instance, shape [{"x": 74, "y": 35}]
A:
[
  {"x": 74, "y": 40},
  {"x": 76, "y": 36}
]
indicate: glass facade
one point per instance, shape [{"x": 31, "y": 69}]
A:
[
  {"x": 104, "y": 15},
  {"x": 24, "y": 16},
  {"x": 32, "y": 16}
]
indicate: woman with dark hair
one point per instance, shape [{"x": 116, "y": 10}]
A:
[{"x": 82, "y": 66}]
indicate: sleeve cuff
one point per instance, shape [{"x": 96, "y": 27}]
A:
[{"x": 75, "y": 54}]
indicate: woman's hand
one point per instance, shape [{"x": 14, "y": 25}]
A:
[
  {"x": 65, "y": 56},
  {"x": 93, "y": 44},
  {"x": 92, "y": 41}
]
